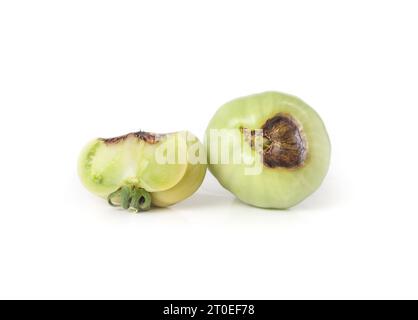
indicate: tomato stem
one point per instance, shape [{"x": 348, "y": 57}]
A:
[
  {"x": 141, "y": 200},
  {"x": 126, "y": 197},
  {"x": 131, "y": 197},
  {"x": 113, "y": 195}
]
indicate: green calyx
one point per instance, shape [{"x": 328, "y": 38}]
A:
[{"x": 131, "y": 197}]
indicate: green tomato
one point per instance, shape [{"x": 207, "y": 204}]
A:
[
  {"x": 140, "y": 169},
  {"x": 277, "y": 150}
]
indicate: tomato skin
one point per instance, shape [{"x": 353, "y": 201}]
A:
[{"x": 278, "y": 187}]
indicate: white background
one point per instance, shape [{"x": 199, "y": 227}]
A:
[{"x": 74, "y": 70}]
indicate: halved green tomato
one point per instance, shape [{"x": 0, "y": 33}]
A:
[
  {"x": 271, "y": 149},
  {"x": 133, "y": 167}
]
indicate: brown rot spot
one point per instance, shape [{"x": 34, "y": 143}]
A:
[
  {"x": 148, "y": 137},
  {"x": 285, "y": 145}
]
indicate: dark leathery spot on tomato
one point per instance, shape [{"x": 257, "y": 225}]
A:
[
  {"x": 148, "y": 137},
  {"x": 285, "y": 144}
]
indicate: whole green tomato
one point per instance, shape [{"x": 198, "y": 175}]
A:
[{"x": 271, "y": 150}]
